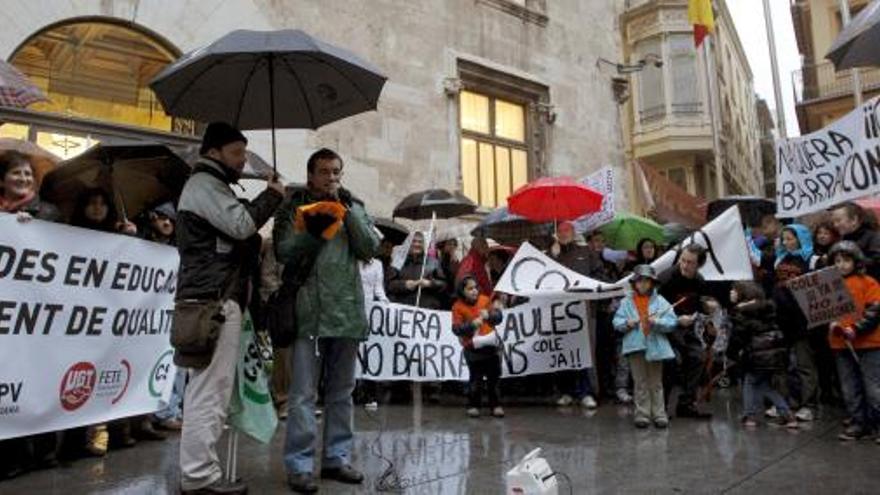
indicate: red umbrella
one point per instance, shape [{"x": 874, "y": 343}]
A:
[
  {"x": 554, "y": 199},
  {"x": 871, "y": 203}
]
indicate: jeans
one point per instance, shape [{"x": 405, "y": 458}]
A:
[
  {"x": 337, "y": 356},
  {"x": 174, "y": 410},
  {"x": 758, "y": 385},
  {"x": 490, "y": 369},
  {"x": 860, "y": 384}
]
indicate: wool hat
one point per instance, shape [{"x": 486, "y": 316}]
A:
[{"x": 218, "y": 135}]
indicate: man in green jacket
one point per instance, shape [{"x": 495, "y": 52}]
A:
[{"x": 330, "y": 320}]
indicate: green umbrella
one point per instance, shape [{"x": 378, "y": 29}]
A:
[{"x": 626, "y": 230}]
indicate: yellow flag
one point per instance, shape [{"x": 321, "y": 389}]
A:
[{"x": 701, "y": 16}]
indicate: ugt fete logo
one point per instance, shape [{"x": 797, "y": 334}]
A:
[{"x": 82, "y": 380}]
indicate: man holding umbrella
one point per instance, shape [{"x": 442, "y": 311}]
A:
[
  {"x": 212, "y": 232},
  {"x": 320, "y": 233}
]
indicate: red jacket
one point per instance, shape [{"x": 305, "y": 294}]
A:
[
  {"x": 475, "y": 265},
  {"x": 865, "y": 292}
]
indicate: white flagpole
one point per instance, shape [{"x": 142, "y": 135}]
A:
[
  {"x": 777, "y": 89},
  {"x": 856, "y": 79},
  {"x": 713, "y": 116}
]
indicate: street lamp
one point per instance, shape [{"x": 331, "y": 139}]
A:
[{"x": 619, "y": 83}]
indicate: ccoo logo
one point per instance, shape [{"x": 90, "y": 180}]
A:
[
  {"x": 161, "y": 373},
  {"x": 77, "y": 385}
]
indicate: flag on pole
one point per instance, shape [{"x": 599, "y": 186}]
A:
[
  {"x": 251, "y": 410},
  {"x": 701, "y": 16}
]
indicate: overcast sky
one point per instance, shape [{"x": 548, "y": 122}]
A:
[{"x": 748, "y": 15}]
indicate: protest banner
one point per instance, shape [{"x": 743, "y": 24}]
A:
[
  {"x": 837, "y": 163},
  {"x": 85, "y": 319},
  {"x": 417, "y": 344},
  {"x": 727, "y": 254},
  {"x": 601, "y": 181},
  {"x": 822, "y": 296},
  {"x": 532, "y": 273}
]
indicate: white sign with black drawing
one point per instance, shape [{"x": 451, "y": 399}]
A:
[
  {"x": 727, "y": 255},
  {"x": 532, "y": 273}
]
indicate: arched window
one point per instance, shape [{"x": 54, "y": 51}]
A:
[{"x": 94, "y": 69}]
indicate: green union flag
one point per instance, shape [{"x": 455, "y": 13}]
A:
[{"x": 251, "y": 410}]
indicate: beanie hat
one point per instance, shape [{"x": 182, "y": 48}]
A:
[
  {"x": 218, "y": 135},
  {"x": 166, "y": 209}
]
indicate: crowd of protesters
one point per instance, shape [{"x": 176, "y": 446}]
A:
[{"x": 662, "y": 348}]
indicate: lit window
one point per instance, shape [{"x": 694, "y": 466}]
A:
[{"x": 494, "y": 152}]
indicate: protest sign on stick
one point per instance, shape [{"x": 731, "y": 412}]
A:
[
  {"x": 727, "y": 254},
  {"x": 822, "y": 296},
  {"x": 417, "y": 344},
  {"x": 601, "y": 181},
  {"x": 838, "y": 163}
]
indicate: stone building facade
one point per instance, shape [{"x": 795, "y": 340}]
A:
[{"x": 534, "y": 101}]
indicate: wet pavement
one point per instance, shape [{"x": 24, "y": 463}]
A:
[{"x": 436, "y": 450}]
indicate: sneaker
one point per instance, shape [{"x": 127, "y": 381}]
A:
[
  {"x": 852, "y": 433},
  {"x": 565, "y": 400},
  {"x": 498, "y": 412},
  {"x": 642, "y": 422},
  {"x": 623, "y": 396},
  {"x": 772, "y": 412},
  {"x": 804, "y": 414},
  {"x": 371, "y": 406},
  {"x": 589, "y": 402},
  {"x": 749, "y": 422},
  {"x": 661, "y": 423},
  {"x": 170, "y": 424},
  {"x": 473, "y": 412}
]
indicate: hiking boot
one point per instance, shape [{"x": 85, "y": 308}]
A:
[
  {"x": 642, "y": 422},
  {"x": 302, "y": 482},
  {"x": 852, "y": 433},
  {"x": 219, "y": 487},
  {"x": 343, "y": 474},
  {"x": 97, "y": 440},
  {"x": 623, "y": 397},
  {"x": 804, "y": 414},
  {"x": 170, "y": 424},
  {"x": 498, "y": 412},
  {"x": 661, "y": 423},
  {"x": 589, "y": 402},
  {"x": 565, "y": 400},
  {"x": 473, "y": 412}
]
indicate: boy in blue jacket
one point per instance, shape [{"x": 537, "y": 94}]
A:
[{"x": 645, "y": 316}]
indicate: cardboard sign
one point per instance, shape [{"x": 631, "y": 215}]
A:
[{"x": 822, "y": 296}]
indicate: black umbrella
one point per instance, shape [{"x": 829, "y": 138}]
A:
[
  {"x": 139, "y": 175},
  {"x": 391, "y": 230},
  {"x": 508, "y": 228},
  {"x": 751, "y": 208},
  {"x": 255, "y": 167},
  {"x": 424, "y": 204},
  {"x": 856, "y": 45},
  {"x": 269, "y": 79}
]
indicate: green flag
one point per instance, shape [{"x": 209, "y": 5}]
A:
[{"x": 251, "y": 410}]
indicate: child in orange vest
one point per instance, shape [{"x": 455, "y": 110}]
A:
[
  {"x": 473, "y": 320},
  {"x": 855, "y": 340}
]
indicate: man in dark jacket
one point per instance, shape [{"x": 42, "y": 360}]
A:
[
  {"x": 330, "y": 317},
  {"x": 213, "y": 227},
  {"x": 855, "y": 224},
  {"x": 685, "y": 287}
]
